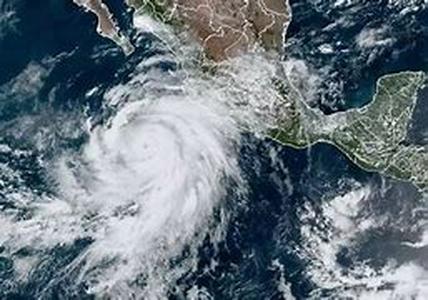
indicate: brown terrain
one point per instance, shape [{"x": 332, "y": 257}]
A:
[
  {"x": 106, "y": 26},
  {"x": 227, "y": 27}
]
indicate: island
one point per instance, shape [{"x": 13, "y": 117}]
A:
[{"x": 374, "y": 137}]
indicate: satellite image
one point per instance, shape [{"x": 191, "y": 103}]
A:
[{"x": 214, "y": 149}]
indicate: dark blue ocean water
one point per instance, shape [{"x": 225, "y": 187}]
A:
[
  {"x": 348, "y": 73},
  {"x": 418, "y": 129},
  {"x": 60, "y": 38},
  {"x": 36, "y": 29},
  {"x": 269, "y": 228}
]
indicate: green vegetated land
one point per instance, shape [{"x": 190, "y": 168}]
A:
[{"x": 374, "y": 137}]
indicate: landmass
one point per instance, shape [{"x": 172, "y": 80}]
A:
[
  {"x": 374, "y": 137},
  {"x": 106, "y": 27},
  {"x": 224, "y": 28}
]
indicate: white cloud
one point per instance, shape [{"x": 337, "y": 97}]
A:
[{"x": 374, "y": 37}]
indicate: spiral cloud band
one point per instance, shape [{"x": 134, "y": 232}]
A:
[
  {"x": 156, "y": 175},
  {"x": 151, "y": 183}
]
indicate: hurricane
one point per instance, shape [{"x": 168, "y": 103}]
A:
[
  {"x": 186, "y": 170},
  {"x": 153, "y": 181}
]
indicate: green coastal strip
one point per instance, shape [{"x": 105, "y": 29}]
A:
[
  {"x": 160, "y": 10},
  {"x": 375, "y": 136}
]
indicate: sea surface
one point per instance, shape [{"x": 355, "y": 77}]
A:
[
  {"x": 312, "y": 224},
  {"x": 348, "y": 45}
]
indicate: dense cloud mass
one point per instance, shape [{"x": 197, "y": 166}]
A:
[{"x": 150, "y": 177}]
